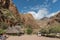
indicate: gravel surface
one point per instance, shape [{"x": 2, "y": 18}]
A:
[{"x": 30, "y": 37}]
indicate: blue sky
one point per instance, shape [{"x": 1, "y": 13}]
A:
[{"x": 38, "y": 8}]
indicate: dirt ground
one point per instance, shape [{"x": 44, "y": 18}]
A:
[{"x": 30, "y": 37}]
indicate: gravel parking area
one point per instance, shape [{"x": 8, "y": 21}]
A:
[{"x": 30, "y": 37}]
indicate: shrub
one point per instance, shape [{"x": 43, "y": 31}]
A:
[
  {"x": 44, "y": 31},
  {"x": 54, "y": 29},
  {"x": 51, "y": 35},
  {"x": 29, "y": 31},
  {"x": 2, "y": 31},
  {"x": 50, "y": 31},
  {"x": 3, "y": 25}
]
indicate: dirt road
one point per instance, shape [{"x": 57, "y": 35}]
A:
[{"x": 30, "y": 37}]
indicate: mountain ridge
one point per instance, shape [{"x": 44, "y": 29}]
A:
[{"x": 16, "y": 18}]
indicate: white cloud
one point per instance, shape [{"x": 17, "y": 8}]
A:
[
  {"x": 27, "y": 0},
  {"x": 52, "y": 14},
  {"x": 54, "y": 1},
  {"x": 47, "y": 0},
  {"x": 42, "y": 10},
  {"x": 25, "y": 7},
  {"x": 33, "y": 13},
  {"x": 40, "y": 14},
  {"x": 38, "y": 7}
]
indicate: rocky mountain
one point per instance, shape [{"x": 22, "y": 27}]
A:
[
  {"x": 10, "y": 16},
  {"x": 8, "y": 12},
  {"x": 52, "y": 21},
  {"x": 28, "y": 20},
  {"x": 43, "y": 22}
]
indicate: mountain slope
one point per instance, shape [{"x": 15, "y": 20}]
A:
[
  {"x": 52, "y": 21},
  {"x": 12, "y": 17},
  {"x": 28, "y": 20}
]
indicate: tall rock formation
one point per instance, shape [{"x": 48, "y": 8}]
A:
[
  {"x": 29, "y": 21},
  {"x": 54, "y": 19},
  {"x": 8, "y": 12},
  {"x": 8, "y": 4},
  {"x": 11, "y": 15}
]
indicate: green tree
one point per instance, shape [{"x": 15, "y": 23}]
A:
[
  {"x": 2, "y": 31},
  {"x": 3, "y": 25},
  {"x": 29, "y": 30}
]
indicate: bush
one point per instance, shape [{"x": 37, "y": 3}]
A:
[
  {"x": 29, "y": 31},
  {"x": 3, "y": 25},
  {"x": 55, "y": 29},
  {"x": 2, "y": 31},
  {"x": 51, "y": 35},
  {"x": 44, "y": 31},
  {"x": 50, "y": 31}
]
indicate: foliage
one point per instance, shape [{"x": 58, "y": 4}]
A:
[
  {"x": 44, "y": 31},
  {"x": 52, "y": 29},
  {"x": 55, "y": 29},
  {"x": 2, "y": 31},
  {"x": 3, "y": 25},
  {"x": 29, "y": 30}
]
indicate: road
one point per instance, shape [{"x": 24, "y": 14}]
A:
[{"x": 30, "y": 37}]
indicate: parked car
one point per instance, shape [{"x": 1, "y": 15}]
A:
[
  {"x": 39, "y": 34},
  {"x": 3, "y": 37},
  {"x": 0, "y": 36}
]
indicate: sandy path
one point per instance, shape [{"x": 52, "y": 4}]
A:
[{"x": 30, "y": 37}]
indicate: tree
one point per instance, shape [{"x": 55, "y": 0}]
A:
[
  {"x": 29, "y": 30},
  {"x": 44, "y": 31},
  {"x": 2, "y": 31},
  {"x": 3, "y": 25}
]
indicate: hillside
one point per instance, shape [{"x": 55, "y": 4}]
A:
[
  {"x": 28, "y": 20},
  {"x": 52, "y": 21},
  {"x": 10, "y": 16},
  {"x": 55, "y": 19}
]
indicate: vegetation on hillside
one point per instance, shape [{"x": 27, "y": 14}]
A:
[
  {"x": 2, "y": 31},
  {"x": 29, "y": 30},
  {"x": 51, "y": 31}
]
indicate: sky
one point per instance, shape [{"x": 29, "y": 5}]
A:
[{"x": 38, "y": 8}]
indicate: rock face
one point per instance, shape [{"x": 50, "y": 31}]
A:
[
  {"x": 5, "y": 3},
  {"x": 28, "y": 20},
  {"x": 9, "y": 5},
  {"x": 55, "y": 19},
  {"x": 13, "y": 17},
  {"x": 13, "y": 8},
  {"x": 8, "y": 9},
  {"x": 43, "y": 22},
  {"x": 52, "y": 21}
]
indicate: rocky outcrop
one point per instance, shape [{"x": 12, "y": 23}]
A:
[
  {"x": 55, "y": 19},
  {"x": 13, "y": 8},
  {"x": 28, "y": 20},
  {"x": 49, "y": 22},
  {"x": 8, "y": 12},
  {"x": 11, "y": 16},
  {"x": 8, "y": 4}
]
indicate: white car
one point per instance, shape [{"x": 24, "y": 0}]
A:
[{"x": 39, "y": 34}]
